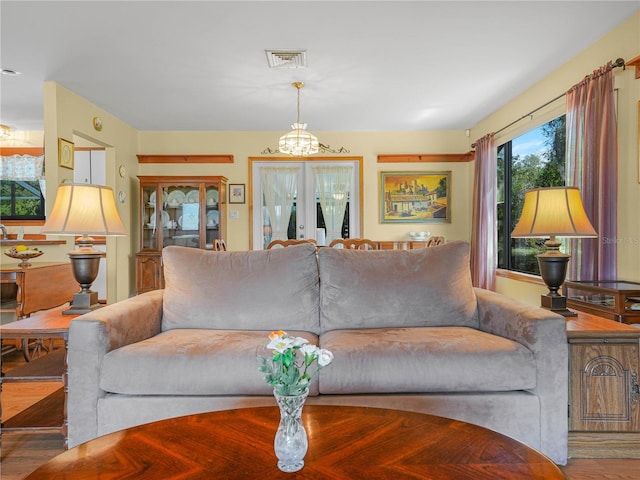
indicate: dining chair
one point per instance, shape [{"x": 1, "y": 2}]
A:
[
  {"x": 219, "y": 245},
  {"x": 291, "y": 241},
  {"x": 354, "y": 244},
  {"x": 435, "y": 240}
]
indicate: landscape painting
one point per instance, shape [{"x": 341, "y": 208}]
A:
[{"x": 415, "y": 197}]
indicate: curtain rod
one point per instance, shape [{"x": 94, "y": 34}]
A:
[{"x": 618, "y": 63}]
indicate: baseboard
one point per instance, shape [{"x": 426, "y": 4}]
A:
[{"x": 604, "y": 445}]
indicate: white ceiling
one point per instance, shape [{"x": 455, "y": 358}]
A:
[{"x": 372, "y": 65}]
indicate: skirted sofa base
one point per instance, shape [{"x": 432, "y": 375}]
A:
[
  {"x": 407, "y": 329},
  {"x": 510, "y": 413}
]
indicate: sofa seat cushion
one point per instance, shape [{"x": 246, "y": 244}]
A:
[
  {"x": 426, "y": 359},
  {"x": 425, "y": 287},
  {"x": 249, "y": 290},
  {"x": 192, "y": 362}
]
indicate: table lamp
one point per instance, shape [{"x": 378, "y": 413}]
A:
[
  {"x": 553, "y": 212},
  {"x": 82, "y": 209}
]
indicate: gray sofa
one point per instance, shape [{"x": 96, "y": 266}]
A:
[{"x": 407, "y": 329}]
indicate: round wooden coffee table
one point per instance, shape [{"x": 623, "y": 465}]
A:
[{"x": 344, "y": 443}]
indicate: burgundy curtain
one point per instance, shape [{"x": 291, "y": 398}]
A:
[
  {"x": 484, "y": 237},
  {"x": 592, "y": 166}
]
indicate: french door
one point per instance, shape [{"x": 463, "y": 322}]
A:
[{"x": 300, "y": 207}]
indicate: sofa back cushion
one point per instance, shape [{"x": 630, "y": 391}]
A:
[
  {"x": 396, "y": 288},
  {"x": 249, "y": 290}
]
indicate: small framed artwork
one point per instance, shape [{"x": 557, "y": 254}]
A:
[
  {"x": 236, "y": 193},
  {"x": 415, "y": 197},
  {"x": 65, "y": 153}
]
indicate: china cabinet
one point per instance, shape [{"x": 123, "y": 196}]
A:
[{"x": 188, "y": 211}]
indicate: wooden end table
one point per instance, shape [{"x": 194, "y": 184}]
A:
[
  {"x": 344, "y": 443},
  {"x": 604, "y": 395},
  {"x": 49, "y": 414}
]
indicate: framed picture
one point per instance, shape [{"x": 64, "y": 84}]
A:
[
  {"x": 236, "y": 193},
  {"x": 65, "y": 153},
  {"x": 415, "y": 197}
]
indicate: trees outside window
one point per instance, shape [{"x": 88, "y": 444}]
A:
[
  {"x": 532, "y": 160},
  {"x": 21, "y": 200}
]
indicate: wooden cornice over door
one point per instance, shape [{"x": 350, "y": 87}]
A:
[
  {"x": 635, "y": 62},
  {"x": 207, "y": 158},
  {"x": 427, "y": 157}
]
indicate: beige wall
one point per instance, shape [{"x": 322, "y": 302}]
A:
[
  {"x": 623, "y": 41},
  {"x": 24, "y": 138}
]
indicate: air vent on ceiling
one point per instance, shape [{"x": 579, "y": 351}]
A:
[{"x": 287, "y": 58}]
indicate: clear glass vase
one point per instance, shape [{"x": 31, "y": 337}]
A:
[{"x": 291, "y": 438}]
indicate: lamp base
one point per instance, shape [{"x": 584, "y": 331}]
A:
[
  {"x": 553, "y": 269},
  {"x": 83, "y": 302},
  {"x": 557, "y": 304},
  {"x": 85, "y": 262}
]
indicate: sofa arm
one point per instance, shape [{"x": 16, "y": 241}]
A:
[
  {"x": 91, "y": 337},
  {"x": 545, "y": 334}
]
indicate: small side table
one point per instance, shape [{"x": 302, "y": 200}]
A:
[{"x": 49, "y": 368}]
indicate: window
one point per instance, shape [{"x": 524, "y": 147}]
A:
[
  {"x": 535, "y": 159},
  {"x": 21, "y": 200}
]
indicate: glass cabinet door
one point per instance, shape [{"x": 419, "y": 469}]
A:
[
  {"x": 212, "y": 209},
  {"x": 149, "y": 218},
  {"x": 181, "y": 216}
]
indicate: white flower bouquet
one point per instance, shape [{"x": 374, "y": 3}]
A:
[{"x": 290, "y": 369}]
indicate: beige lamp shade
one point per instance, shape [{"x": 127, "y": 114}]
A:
[
  {"x": 82, "y": 209},
  {"x": 553, "y": 212}
]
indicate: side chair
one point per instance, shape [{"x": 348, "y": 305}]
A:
[
  {"x": 286, "y": 243},
  {"x": 219, "y": 245},
  {"x": 435, "y": 240},
  {"x": 354, "y": 244}
]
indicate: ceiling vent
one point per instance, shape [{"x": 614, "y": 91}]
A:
[{"x": 287, "y": 58}]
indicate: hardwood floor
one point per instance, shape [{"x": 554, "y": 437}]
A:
[{"x": 23, "y": 452}]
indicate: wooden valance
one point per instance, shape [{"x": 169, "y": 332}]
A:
[
  {"x": 185, "y": 158},
  {"x": 9, "y": 151},
  {"x": 427, "y": 157},
  {"x": 635, "y": 62}
]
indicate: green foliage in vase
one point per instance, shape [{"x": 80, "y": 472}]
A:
[{"x": 293, "y": 364}]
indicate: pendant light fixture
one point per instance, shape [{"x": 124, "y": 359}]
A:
[{"x": 299, "y": 142}]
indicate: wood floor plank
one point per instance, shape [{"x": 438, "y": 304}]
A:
[
  {"x": 23, "y": 452},
  {"x": 16, "y": 397},
  {"x": 602, "y": 469},
  {"x": 46, "y": 413}
]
